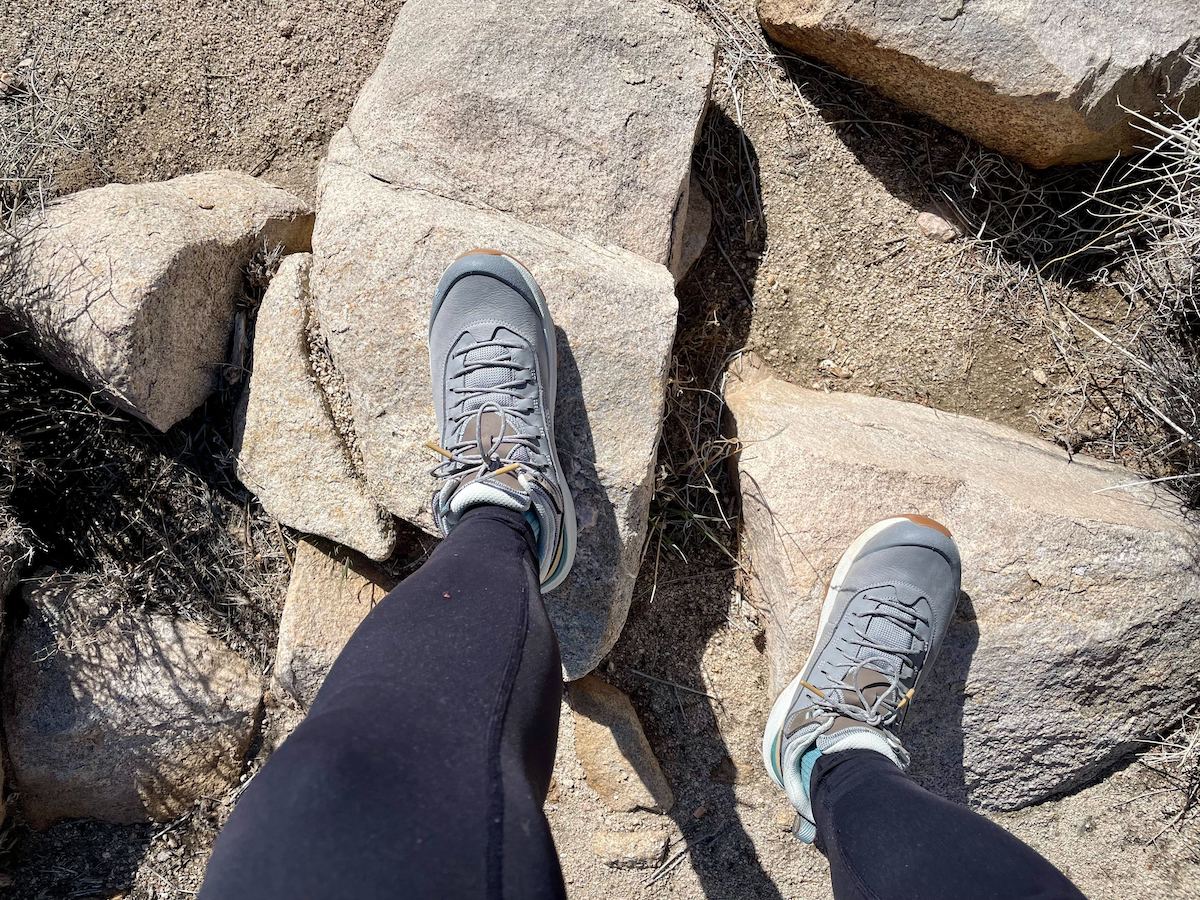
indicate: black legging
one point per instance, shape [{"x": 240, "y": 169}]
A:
[{"x": 421, "y": 770}]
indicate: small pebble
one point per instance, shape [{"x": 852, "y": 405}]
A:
[
  {"x": 936, "y": 228},
  {"x": 642, "y": 849},
  {"x": 1039, "y": 376},
  {"x": 784, "y": 817},
  {"x": 285, "y": 27},
  {"x": 835, "y": 369}
]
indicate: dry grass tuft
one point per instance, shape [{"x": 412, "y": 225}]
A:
[
  {"x": 1134, "y": 361},
  {"x": 1158, "y": 227},
  {"x": 695, "y": 500},
  {"x": 159, "y": 522},
  {"x": 156, "y": 521},
  {"x": 1176, "y": 762},
  {"x": 40, "y": 124}
]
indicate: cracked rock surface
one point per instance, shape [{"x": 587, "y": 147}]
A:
[
  {"x": 562, "y": 135},
  {"x": 1045, "y": 83},
  {"x": 1073, "y": 641},
  {"x": 289, "y": 450},
  {"x": 131, "y": 287}
]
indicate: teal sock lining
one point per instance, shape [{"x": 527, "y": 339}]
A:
[
  {"x": 532, "y": 519},
  {"x": 807, "y": 762}
]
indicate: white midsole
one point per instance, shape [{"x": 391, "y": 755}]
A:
[{"x": 783, "y": 703}]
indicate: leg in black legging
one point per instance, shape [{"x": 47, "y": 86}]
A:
[
  {"x": 423, "y": 765},
  {"x": 885, "y": 837}
]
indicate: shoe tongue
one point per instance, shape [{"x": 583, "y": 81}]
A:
[
  {"x": 493, "y": 425},
  {"x": 870, "y": 683}
]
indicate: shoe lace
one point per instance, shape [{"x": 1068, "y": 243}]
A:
[
  {"x": 478, "y": 456},
  {"x": 845, "y": 697}
]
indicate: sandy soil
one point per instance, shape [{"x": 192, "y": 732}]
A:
[
  {"x": 833, "y": 284},
  {"x": 177, "y": 87}
]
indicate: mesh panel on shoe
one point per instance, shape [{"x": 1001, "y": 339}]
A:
[
  {"x": 486, "y": 378},
  {"x": 483, "y": 378},
  {"x": 887, "y": 633}
]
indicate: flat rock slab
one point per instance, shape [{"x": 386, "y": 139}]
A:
[
  {"x": 580, "y": 117},
  {"x": 289, "y": 450},
  {"x": 379, "y": 254},
  {"x": 613, "y": 751},
  {"x": 330, "y": 593},
  {"x": 131, "y": 287},
  {"x": 1045, "y": 83},
  {"x": 1076, "y": 636},
  {"x": 121, "y": 717},
  {"x": 560, "y": 133}
]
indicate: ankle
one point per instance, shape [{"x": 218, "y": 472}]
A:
[
  {"x": 514, "y": 520},
  {"x": 801, "y": 771}
]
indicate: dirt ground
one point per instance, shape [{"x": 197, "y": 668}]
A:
[
  {"x": 181, "y": 87},
  {"x": 816, "y": 262}
]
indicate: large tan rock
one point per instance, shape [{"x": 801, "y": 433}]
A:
[
  {"x": 1075, "y": 637},
  {"x": 131, "y": 287},
  {"x": 580, "y": 117},
  {"x": 120, "y": 717},
  {"x": 561, "y": 134},
  {"x": 612, "y": 748},
  {"x": 379, "y": 255},
  {"x": 330, "y": 593},
  {"x": 1045, "y": 82},
  {"x": 289, "y": 449}
]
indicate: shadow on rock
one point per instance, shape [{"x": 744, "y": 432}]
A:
[
  {"x": 174, "y": 709},
  {"x": 583, "y": 611},
  {"x": 933, "y": 733},
  {"x": 660, "y": 660},
  {"x": 683, "y": 593}
]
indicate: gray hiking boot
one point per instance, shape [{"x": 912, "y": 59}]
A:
[
  {"x": 887, "y": 609},
  {"x": 493, "y": 357}
]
